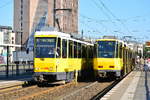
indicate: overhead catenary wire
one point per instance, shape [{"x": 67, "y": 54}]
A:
[
  {"x": 91, "y": 28},
  {"x": 90, "y": 31},
  {"x": 107, "y": 15},
  {"x": 95, "y": 21},
  {"x": 106, "y": 8}
]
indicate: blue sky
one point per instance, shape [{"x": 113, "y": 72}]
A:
[
  {"x": 6, "y": 11},
  {"x": 133, "y": 14},
  {"x": 103, "y": 17}
]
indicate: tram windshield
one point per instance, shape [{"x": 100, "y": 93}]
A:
[
  {"x": 45, "y": 47},
  {"x": 106, "y": 49}
]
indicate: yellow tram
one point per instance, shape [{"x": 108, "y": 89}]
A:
[
  {"x": 112, "y": 58},
  {"x": 57, "y": 56}
]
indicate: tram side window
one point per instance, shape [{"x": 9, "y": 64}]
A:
[
  {"x": 64, "y": 48},
  {"x": 84, "y": 51},
  {"x": 70, "y": 49},
  {"x": 95, "y": 50},
  {"x": 117, "y": 50},
  {"x": 120, "y": 51},
  {"x": 130, "y": 55},
  {"x": 58, "y": 53},
  {"x": 75, "y": 49},
  {"x": 90, "y": 52},
  {"x": 79, "y": 50}
]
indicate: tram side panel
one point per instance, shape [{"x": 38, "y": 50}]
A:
[{"x": 58, "y": 58}]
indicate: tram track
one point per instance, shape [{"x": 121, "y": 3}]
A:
[
  {"x": 71, "y": 91},
  {"x": 105, "y": 90},
  {"x": 10, "y": 88},
  {"x": 16, "y": 87},
  {"x": 26, "y": 93},
  {"x": 86, "y": 92},
  {"x": 12, "y": 93},
  {"x": 56, "y": 93},
  {"x": 100, "y": 94},
  {"x": 35, "y": 92}
]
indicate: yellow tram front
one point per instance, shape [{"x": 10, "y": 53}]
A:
[
  {"x": 45, "y": 56},
  {"x": 48, "y": 62},
  {"x": 108, "y": 59}
]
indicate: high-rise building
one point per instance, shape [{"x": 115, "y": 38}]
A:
[{"x": 29, "y": 16}]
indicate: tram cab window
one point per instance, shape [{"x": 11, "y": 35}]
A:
[
  {"x": 64, "y": 48},
  {"x": 107, "y": 49},
  {"x": 70, "y": 49},
  {"x": 58, "y": 53},
  {"x": 45, "y": 47},
  {"x": 75, "y": 49}
]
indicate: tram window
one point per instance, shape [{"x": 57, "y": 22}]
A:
[
  {"x": 58, "y": 54},
  {"x": 79, "y": 50},
  {"x": 90, "y": 52},
  {"x": 70, "y": 49},
  {"x": 83, "y": 51},
  {"x": 95, "y": 50},
  {"x": 117, "y": 50},
  {"x": 64, "y": 48},
  {"x": 120, "y": 51},
  {"x": 75, "y": 49},
  {"x": 45, "y": 47}
]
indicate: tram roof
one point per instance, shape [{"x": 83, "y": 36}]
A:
[
  {"x": 109, "y": 40},
  {"x": 59, "y": 34},
  {"x": 51, "y": 33}
]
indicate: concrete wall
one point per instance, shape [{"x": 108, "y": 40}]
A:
[{"x": 27, "y": 14}]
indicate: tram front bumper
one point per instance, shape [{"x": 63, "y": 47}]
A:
[{"x": 104, "y": 73}]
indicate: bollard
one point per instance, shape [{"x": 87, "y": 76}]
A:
[{"x": 76, "y": 76}]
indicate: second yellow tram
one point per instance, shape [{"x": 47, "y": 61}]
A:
[{"x": 112, "y": 58}]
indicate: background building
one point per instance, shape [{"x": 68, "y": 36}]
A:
[
  {"x": 32, "y": 15},
  {"x": 7, "y": 37}
]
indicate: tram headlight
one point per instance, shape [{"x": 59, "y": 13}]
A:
[
  {"x": 37, "y": 68},
  {"x": 51, "y": 68}
]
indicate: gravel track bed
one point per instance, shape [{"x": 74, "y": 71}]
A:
[
  {"x": 19, "y": 93},
  {"x": 77, "y": 91},
  {"x": 9, "y": 90},
  {"x": 58, "y": 93},
  {"x": 14, "y": 94},
  {"x": 87, "y": 93}
]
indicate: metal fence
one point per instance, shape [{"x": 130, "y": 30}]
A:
[
  {"x": 9, "y": 67},
  {"x": 16, "y": 70}
]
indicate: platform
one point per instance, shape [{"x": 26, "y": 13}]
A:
[
  {"x": 136, "y": 86},
  {"x": 14, "y": 80}
]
